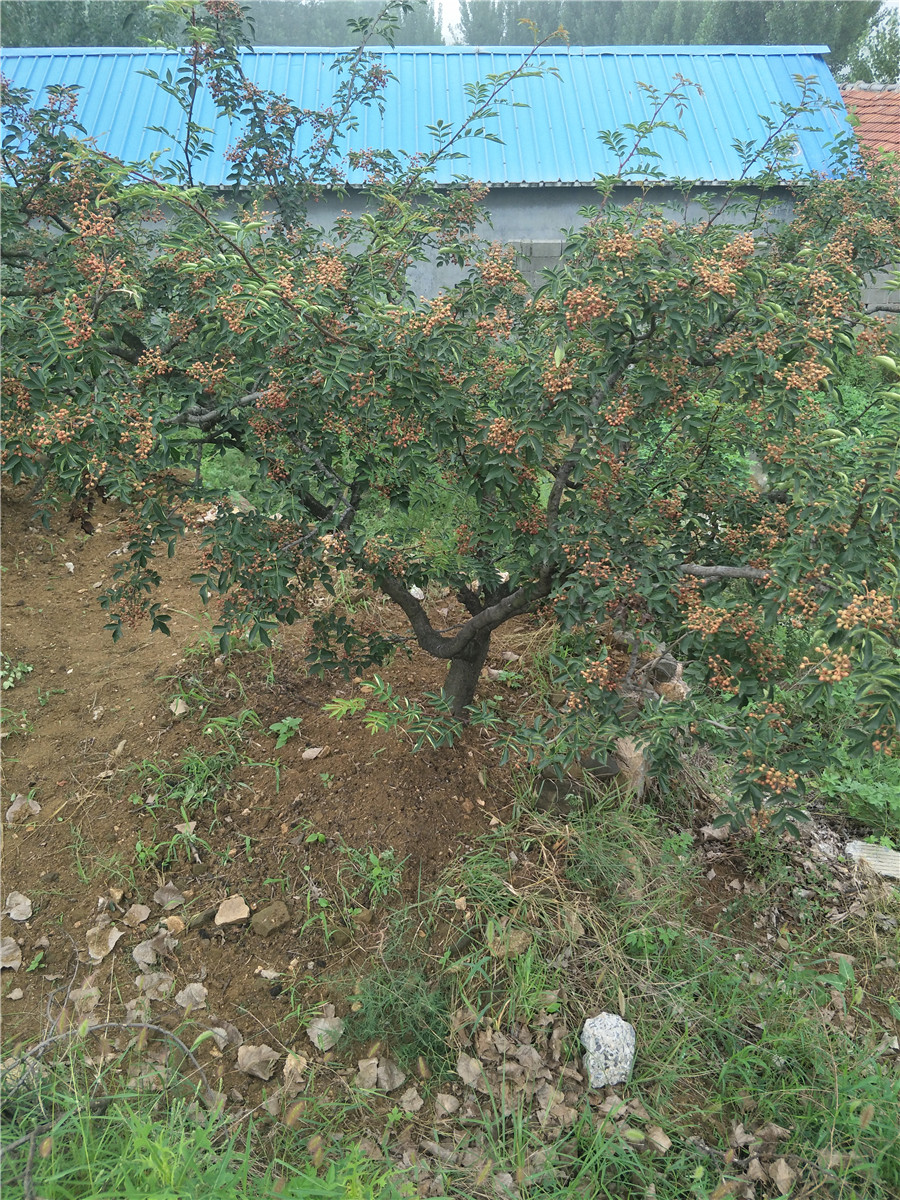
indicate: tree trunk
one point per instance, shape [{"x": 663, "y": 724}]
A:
[{"x": 465, "y": 669}]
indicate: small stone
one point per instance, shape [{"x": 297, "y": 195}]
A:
[
  {"x": 878, "y": 858},
  {"x": 610, "y": 1044},
  {"x": 201, "y": 918},
  {"x": 271, "y": 918},
  {"x": 232, "y": 910},
  {"x": 21, "y": 809}
]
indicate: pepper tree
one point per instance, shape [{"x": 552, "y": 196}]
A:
[{"x": 642, "y": 446}]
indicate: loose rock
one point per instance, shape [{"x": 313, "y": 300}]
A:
[
  {"x": 232, "y": 910},
  {"x": 271, "y": 918},
  {"x": 610, "y": 1044}
]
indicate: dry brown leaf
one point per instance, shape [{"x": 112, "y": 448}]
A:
[
  {"x": 367, "y": 1075},
  {"x": 445, "y": 1105},
  {"x": 470, "y": 1070},
  {"x": 168, "y": 896},
  {"x": 18, "y": 907},
  {"x": 10, "y": 954},
  {"x": 658, "y": 1140},
  {"x": 155, "y": 986},
  {"x": 226, "y": 1034},
  {"x": 389, "y": 1076},
  {"x": 782, "y": 1176},
  {"x": 324, "y": 1032},
  {"x": 257, "y": 1060},
  {"x": 102, "y": 939},
  {"x": 313, "y": 752},
  {"x": 294, "y": 1069},
  {"x": 773, "y": 1133},
  {"x": 136, "y": 915},
  {"x": 192, "y": 996},
  {"x": 411, "y": 1101}
]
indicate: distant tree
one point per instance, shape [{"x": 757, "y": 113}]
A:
[
  {"x": 74, "y": 22},
  {"x": 327, "y": 22},
  {"x": 840, "y": 25},
  {"x": 876, "y": 57},
  {"x": 275, "y": 22}
]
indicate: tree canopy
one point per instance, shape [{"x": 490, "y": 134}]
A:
[{"x": 643, "y": 448}]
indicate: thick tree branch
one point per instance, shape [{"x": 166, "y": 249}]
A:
[
  {"x": 485, "y": 621},
  {"x": 204, "y": 418},
  {"x": 723, "y": 572}
]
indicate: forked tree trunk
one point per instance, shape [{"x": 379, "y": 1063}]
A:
[{"x": 465, "y": 669}]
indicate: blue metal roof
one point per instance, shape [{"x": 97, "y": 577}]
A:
[{"x": 554, "y": 141}]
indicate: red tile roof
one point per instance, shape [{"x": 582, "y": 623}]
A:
[{"x": 877, "y": 108}]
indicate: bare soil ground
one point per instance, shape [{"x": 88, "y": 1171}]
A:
[{"x": 95, "y": 710}]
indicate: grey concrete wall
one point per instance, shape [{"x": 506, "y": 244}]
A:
[{"x": 534, "y": 221}]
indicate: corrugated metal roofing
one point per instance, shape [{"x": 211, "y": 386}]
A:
[
  {"x": 554, "y": 141},
  {"x": 877, "y": 108}
]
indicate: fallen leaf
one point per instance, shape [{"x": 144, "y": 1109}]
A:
[
  {"x": 18, "y": 907},
  {"x": 138, "y": 1009},
  {"x": 231, "y": 910},
  {"x": 144, "y": 954},
  {"x": 186, "y": 827},
  {"x": 715, "y": 833},
  {"x": 225, "y": 1034},
  {"x": 10, "y": 954},
  {"x": 782, "y": 1176},
  {"x": 294, "y": 1070},
  {"x": 312, "y": 752},
  {"x": 192, "y": 996},
  {"x": 168, "y": 896},
  {"x": 101, "y": 940},
  {"x": 658, "y": 1140},
  {"x": 411, "y": 1101},
  {"x": 257, "y": 1060},
  {"x": 155, "y": 986},
  {"x": 389, "y": 1077},
  {"x": 470, "y": 1070},
  {"x": 367, "y": 1075},
  {"x": 773, "y": 1133},
  {"x": 324, "y": 1032},
  {"x": 85, "y": 999},
  {"x": 21, "y": 809},
  {"x": 445, "y": 1105},
  {"x": 178, "y": 707},
  {"x": 15, "y": 994}
]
